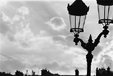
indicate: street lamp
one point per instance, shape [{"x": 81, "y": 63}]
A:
[{"x": 77, "y": 15}]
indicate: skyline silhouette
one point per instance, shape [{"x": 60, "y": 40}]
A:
[{"x": 46, "y": 72}]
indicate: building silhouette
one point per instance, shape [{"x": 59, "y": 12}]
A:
[
  {"x": 76, "y": 72},
  {"x": 104, "y": 72},
  {"x": 45, "y": 72}
]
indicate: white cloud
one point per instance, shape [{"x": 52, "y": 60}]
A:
[
  {"x": 57, "y": 23},
  {"x": 27, "y": 40},
  {"x": 80, "y": 60},
  {"x": 23, "y": 10},
  {"x": 2, "y": 58},
  {"x": 62, "y": 36},
  {"x": 3, "y": 3},
  {"x": 75, "y": 50},
  {"x": 1, "y": 42},
  {"x": 5, "y": 17},
  {"x": 16, "y": 18}
]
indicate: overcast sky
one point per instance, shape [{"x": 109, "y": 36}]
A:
[{"x": 35, "y": 35}]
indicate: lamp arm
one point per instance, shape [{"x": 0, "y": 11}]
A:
[
  {"x": 83, "y": 44},
  {"x": 97, "y": 40}
]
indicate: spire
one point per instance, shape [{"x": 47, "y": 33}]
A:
[{"x": 90, "y": 39}]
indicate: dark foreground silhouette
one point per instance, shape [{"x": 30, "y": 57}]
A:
[
  {"x": 104, "y": 72},
  {"x": 45, "y": 72}
]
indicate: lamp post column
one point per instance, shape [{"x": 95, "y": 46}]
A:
[{"x": 89, "y": 58}]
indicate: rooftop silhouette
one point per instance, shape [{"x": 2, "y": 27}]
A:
[{"x": 45, "y": 72}]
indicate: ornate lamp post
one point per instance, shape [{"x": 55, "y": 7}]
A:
[{"x": 77, "y": 15}]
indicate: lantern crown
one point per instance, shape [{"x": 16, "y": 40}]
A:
[
  {"x": 105, "y": 2},
  {"x": 78, "y": 8}
]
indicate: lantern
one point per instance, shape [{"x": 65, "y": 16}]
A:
[
  {"x": 105, "y": 11},
  {"x": 77, "y": 15}
]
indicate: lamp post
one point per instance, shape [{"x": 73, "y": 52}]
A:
[{"x": 77, "y": 15}]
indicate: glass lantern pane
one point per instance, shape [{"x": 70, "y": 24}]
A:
[
  {"x": 80, "y": 21},
  {"x": 111, "y": 12},
  {"x": 107, "y": 8},
  {"x": 77, "y": 21},
  {"x": 72, "y": 21},
  {"x": 101, "y": 12}
]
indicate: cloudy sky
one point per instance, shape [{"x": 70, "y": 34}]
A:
[{"x": 35, "y": 35}]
